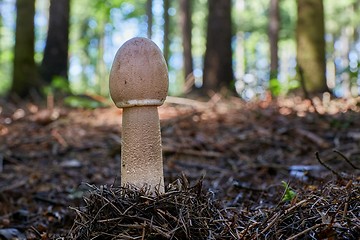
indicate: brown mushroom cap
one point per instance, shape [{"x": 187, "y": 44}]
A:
[{"x": 139, "y": 74}]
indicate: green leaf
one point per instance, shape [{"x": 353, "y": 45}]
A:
[
  {"x": 275, "y": 87},
  {"x": 289, "y": 194},
  {"x": 60, "y": 84}
]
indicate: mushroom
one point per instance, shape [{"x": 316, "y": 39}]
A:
[{"x": 139, "y": 84}]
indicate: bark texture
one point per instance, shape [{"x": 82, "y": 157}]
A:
[
  {"x": 166, "y": 40},
  {"x": 149, "y": 14},
  {"x": 311, "y": 46},
  {"x": 55, "y": 61},
  {"x": 24, "y": 70},
  {"x": 274, "y": 27},
  {"x": 218, "y": 72},
  {"x": 186, "y": 27}
]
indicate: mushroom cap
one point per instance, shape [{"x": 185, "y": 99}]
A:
[{"x": 139, "y": 74}]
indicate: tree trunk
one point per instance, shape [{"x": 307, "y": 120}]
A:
[
  {"x": 149, "y": 15},
  {"x": 186, "y": 27},
  {"x": 166, "y": 31},
  {"x": 55, "y": 61},
  {"x": 218, "y": 72},
  {"x": 0, "y": 30},
  {"x": 274, "y": 27},
  {"x": 24, "y": 70},
  {"x": 311, "y": 46},
  {"x": 100, "y": 63}
]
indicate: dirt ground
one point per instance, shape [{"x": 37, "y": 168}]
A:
[{"x": 243, "y": 151}]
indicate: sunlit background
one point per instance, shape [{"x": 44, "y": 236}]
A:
[{"x": 98, "y": 29}]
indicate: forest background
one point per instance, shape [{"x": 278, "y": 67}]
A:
[
  {"x": 248, "y": 47},
  {"x": 289, "y": 164}
]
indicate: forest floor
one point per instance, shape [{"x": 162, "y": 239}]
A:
[{"x": 243, "y": 151}]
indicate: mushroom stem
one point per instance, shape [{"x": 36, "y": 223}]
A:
[{"x": 141, "y": 161}]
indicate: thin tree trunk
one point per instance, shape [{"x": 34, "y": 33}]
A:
[
  {"x": 1, "y": 18},
  {"x": 355, "y": 87},
  {"x": 218, "y": 72},
  {"x": 240, "y": 51},
  {"x": 149, "y": 15},
  {"x": 345, "y": 41},
  {"x": 100, "y": 63},
  {"x": 311, "y": 46},
  {"x": 186, "y": 27},
  {"x": 274, "y": 27},
  {"x": 166, "y": 30},
  {"x": 24, "y": 70},
  {"x": 55, "y": 61}
]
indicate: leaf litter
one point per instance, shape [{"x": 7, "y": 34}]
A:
[{"x": 274, "y": 169}]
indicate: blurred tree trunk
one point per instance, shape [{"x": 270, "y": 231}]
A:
[
  {"x": 1, "y": 17},
  {"x": 345, "y": 40},
  {"x": 311, "y": 46},
  {"x": 186, "y": 27},
  {"x": 356, "y": 34},
  {"x": 166, "y": 40},
  {"x": 149, "y": 15},
  {"x": 55, "y": 61},
  {"x": 218, "y": 72},
  {"x": 100, "y": 63},
  {"x": 274, "y": 27},
  {"x": 357, "y": 28},
  {"x": 24, "y": 70}
]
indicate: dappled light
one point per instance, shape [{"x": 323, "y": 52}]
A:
[
  {"x": 159, "y": 119},
  {"x": 239, "y": 149}
]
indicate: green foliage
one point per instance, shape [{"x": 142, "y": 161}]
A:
[
  {"x": 6, "y": 50},
  {"x": 288, "y": 19},
  {"x": 4, "y": 84},
  {"x": 96, "y": 26},
  {"x": 252, "y": 16},
  {"x": 59, "y": 85},
  {"x": 275, "y": 87},
  {"x": 82, "y": 102},
  {"x": 91, "y": 35},
  {"x": 278, "y": 88},
  {"x": 199, "y": 17},
  {"x": 244, "y": 16},
  {"x": 340, "y": 14},
  {"x": 5, "y": 71},
  {"x": 289, "y": 194}
]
